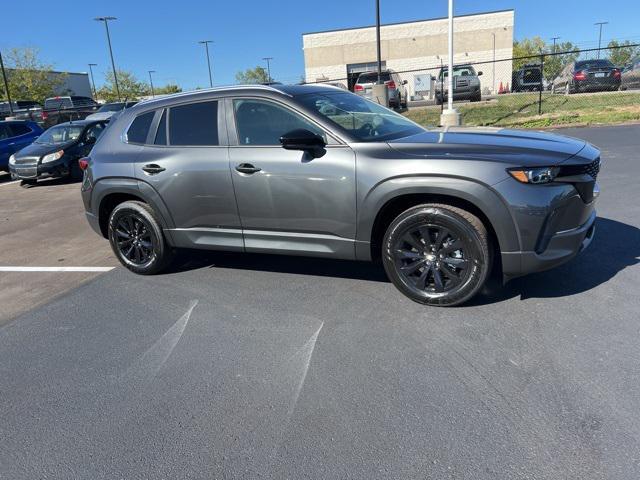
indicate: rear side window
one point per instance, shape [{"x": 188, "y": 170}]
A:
[
  {"x": 55, "y": 103},
  {"x": 139, "y": 129},
  {"x": 195, "y": 124},
  {"x": 372, "y": 77},
  {"x": 19, "y": 129}
]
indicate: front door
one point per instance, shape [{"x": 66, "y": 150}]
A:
[
  {"x": 288, "y": 201},
  {"x": 184, "y": 162}
]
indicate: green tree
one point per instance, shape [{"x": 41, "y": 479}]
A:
[
  {"x": 167, "y": 89},
  {"x": 527, "y": 47},
  {"x": 130, "y": 87},
  {"x": 28, "y": 77},
  {"x": 252, "y": 75},
  {"x": 622, "y": 53},
  {"x": 554, "y": 64}
]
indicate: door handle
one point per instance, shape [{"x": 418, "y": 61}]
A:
[
  {"x": 152, "y": 169},
  {"x": 247, "y": 168}
]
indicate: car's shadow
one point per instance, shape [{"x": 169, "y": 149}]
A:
[
  {"x": 615, "y": 247},
  {"x": 5, "y": 178},
  {"x": 50, "y": 182}
]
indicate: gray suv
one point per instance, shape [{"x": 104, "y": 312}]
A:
[{"x": 314, "y": 170}]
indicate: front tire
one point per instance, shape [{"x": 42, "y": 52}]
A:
[
  {"x": 136, "y": 238},
  {"x": 437, "y": 254}
]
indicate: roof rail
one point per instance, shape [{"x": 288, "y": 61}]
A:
[{"x": 215, "y": 89}]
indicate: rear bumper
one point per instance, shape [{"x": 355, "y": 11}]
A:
[
  {"x": 561, "y": 248},
  {"x": 596, "y": 84},
  {"x": 93, "y": 222}
]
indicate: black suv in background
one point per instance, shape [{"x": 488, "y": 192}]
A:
[
  {"x": 527, "y": 79},
  {"x": 587, "y": 76},
  {"x": 65, "y": 109}
]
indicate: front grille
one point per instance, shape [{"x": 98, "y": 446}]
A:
[
  {"x": 593, "y": 168},
  {"x": 27, "y": 172},
  {"x": 27, "y": 160}
]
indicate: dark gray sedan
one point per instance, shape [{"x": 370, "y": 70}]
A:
[{"x": 312, "y": 170}]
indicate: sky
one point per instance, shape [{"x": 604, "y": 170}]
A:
[{"x": 162, "y": 36}]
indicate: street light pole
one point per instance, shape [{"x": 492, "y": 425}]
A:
[
  {"x": 268, "y": 60},
  {"x": 113, "y": 64},
  {"x": 93, "y": 83},
  {"x": 450, "y": 117},
  {"x": 153, "y": 94},
  {"x": 6, "y": 85},
  {"x": 494, "y": 63},
  {"x": 600, "y": 24},
  {"x": 206, "y": 48},
  {"x": 378, "y": 47}
]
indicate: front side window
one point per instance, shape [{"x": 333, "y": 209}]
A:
[
  {"x": 195, "y": 124},
  {"x": 260, "y": 122},
  {"x": 363, "y": 119},
  {"x": 4, "y": 132},
  {"x": 139, "y": 129},
  {"x": 94, "y": 132}
]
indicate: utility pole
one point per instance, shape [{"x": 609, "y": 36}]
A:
[
  {"x": 450, "y": 117},
  {"x": 378, "y": 47},
  {"x": 600, "y": 24},
  {"x": 113, "y": 64},
  {"x": 554, "y": 44},
  {"x": 206, "y": 47},
  {"x": 268, "y": 60},
  {"x": 6, "y": 85},
  {"x": 153, "y": 94},
  {"x": 93, "y": 83}
]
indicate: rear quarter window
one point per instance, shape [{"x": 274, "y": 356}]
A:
[{"x": 139, "y": 128}]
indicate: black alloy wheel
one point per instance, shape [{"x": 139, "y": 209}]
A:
[
  {"x": 136, "y": 238},
  {"x": 437, "y": 254}
]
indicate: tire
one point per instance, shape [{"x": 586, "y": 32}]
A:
[
  {"x": 148, "y": 253},
  {"x": 567, "y": 89},
  {"x": 477, "y": 98},
  {"x": 28, "y": 183},
  {"x": 439, "y": 100},
  {"x": 435, "y": 274},
  {"x": 403, "y": 104}
]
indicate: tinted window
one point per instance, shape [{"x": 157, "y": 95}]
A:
[
  {"x": 161, "y": 134},
  {"x": 593, "y": 64},
  {"x": 261, "y": 122},
  {"x": 139, "y": 129},
  {"x": 465, "y": 71},
  {"x": 194, "y": 124},
  {"x": 55, "y": 103},
  {"x": 372, "y": 77},
  {"x": 19, "y": 129},
  {"x": 4, "y": 132},
  {"x": 94, "y": 132}
]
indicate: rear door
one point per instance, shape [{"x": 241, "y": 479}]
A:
[
  {"x": 290, "y": 202},
  {"x": 185, "y": 160}
]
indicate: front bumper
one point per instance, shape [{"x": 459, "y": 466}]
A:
[
  {"x": 36, "y": 171},
  {"x": 561, "y": 248}
]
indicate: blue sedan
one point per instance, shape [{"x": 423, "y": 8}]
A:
[{"x": 14, "y": 136}]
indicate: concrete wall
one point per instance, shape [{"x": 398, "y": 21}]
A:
[{"x": 414, "y": 46}]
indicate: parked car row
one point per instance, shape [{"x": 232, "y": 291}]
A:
[{"x": 30, "y": 153}]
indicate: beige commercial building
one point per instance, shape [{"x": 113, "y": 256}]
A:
[{"x": 414, "y": 48}]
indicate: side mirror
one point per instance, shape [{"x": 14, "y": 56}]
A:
[
  {"x": 305, "y": 140},
  {"x": 404, "y": 82},
  {"x": 480, "y": 73}
]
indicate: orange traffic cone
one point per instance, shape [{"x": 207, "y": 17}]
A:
[{"x": 501, "y": 89}]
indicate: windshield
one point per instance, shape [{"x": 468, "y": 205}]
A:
[
  {"x": 363, "y": 119},
  {"x": 466, "y": 71},
  {"x": 60, "y": 134},
  {"x": 111, "y": 107}
]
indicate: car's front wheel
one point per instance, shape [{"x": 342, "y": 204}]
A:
[
  {"x": 437, "y": 254},
  {"x": 136, "y": 238}
]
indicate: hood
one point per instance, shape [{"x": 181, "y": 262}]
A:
[
  {"x": 40, "y": 149},
  {"x": 510, "y": 146}
]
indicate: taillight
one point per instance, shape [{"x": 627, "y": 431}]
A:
[
  {"x": 390, "y": 84},
  {"x": 45, "y": 115},
  {"x": 616, "y": 73},
  {"x": 358, "y": 88},
  {"x": 83, "y": 163},
  {"x": 580, "y": 75}
]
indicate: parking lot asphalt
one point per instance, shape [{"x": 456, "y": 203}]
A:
[{"x": 256, "y": 366}]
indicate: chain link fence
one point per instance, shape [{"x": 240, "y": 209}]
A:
[{"x": 552, "y": 88}]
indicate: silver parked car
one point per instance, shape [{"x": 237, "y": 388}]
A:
[
  {"x": 313, "y": 170},
  {"x": 631, "y": 75},
  {"x": 398, "y": 95}
]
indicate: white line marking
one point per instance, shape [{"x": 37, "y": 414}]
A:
[
  {"x": 56, "y": 269},
  {"x": 9, "y": 183}
]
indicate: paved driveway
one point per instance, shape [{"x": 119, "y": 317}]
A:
[{"x": 251, "y": 366}]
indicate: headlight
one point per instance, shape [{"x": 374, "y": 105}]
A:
[
  {"x": 12, "y": 160},
  {"x": 535, "y": 175},
  {"x": 52, "y": 157}
]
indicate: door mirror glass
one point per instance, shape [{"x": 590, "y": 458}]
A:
[
  {"x": 302, "y": 139},
  {"x": 404, "y": 82},
  {"x": 480, "y": 73}
]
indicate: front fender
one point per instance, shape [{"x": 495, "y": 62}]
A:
[{"x": 482, "y": 196}]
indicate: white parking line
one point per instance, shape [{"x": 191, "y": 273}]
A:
[
  {"x": 9, "y": 183},
  {"x": 56, "y": 269}
]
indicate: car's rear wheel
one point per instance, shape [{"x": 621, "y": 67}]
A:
[
  {"x": 437, "y": 254},
  {"x": 136, "y": 238}
]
